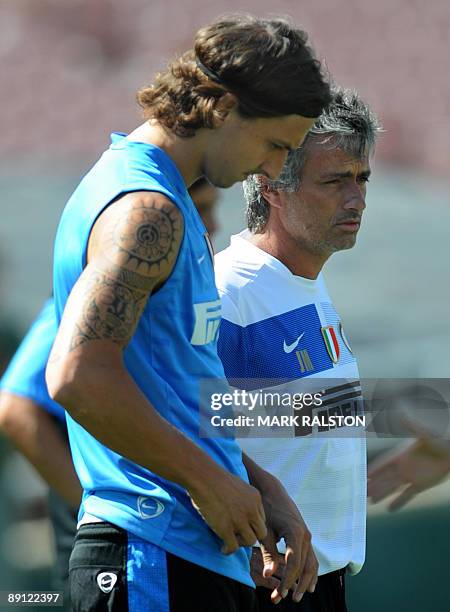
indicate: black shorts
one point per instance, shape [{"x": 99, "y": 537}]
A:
[
  {"x": 116, "y": 571},
  {"x": 329, "y": 596}
]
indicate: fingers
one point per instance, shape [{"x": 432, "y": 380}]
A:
[
  {"x": 384, "y": 484},
  {"x": 230, "y": 543},
  {"x": 384, "y": 477},
  {"x": 256, "y": 570},
  {"x": 308, "y": 579},
  {"x": 262, "y": 512},
  {"x": 245, "y": 533},
  {"x": 306, "y": 582},
  {"x": 295, "y": 568},
  {"x": 269, "y": 552},
  {"x": 281, "y": 563},
  {"x": 403, "y": 498},
  {"x": 256, "y": 518},
  {"x": 295, "y": 562},
  {"x": 243, "y": 524},
  {"x": 377, "y": 469},
  {"x": 235, "y": 540},
  {"x": 381, "y": 464},
  {"x": 270, "y": 583},
  {"x": 300, "y": 571},
  {"x": 247, "y": 537},
  {"x": 259, "y": 527}
]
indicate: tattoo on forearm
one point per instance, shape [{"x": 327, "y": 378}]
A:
[
  {"x": 137, "y": 253},
  {"x": 111, "y": 311}
]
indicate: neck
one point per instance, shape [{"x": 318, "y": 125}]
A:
[
  {"x": 187, "y": 153},
  {"x": 295, "y": 257}
]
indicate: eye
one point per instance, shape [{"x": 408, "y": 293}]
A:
[
  {"x": 364, "y": 179},
  {"x": 277, "y": 147}
]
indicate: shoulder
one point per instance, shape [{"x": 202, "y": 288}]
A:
[
  {"x": 231, "y": 282},
  {"x": 135, "y": 206},
  {"x": 235, "y": 272},
  {"x": 226, "y": 271},
  {"x": 144, "y": 227},
  {"x": 244, "y": 280}
]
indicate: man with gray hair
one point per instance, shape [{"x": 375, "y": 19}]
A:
[{"x": 280, "y": 330}]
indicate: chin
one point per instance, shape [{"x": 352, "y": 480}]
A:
[
  {"x": 223, "y": 183},
  {"x": 348, "y": 244}
]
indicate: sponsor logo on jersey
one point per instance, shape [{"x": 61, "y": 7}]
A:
[
  {"x": 207, "y": 321},
  {"x": 149, "y": 507},
  {"x": 288, "y": 348},
  {"x": 304, "y": 360},
  {"x": 344, "y": 337},
  {"x": 342, "y": 406},
  {"x": 331, "y": 342},
  {"x": 106, "y": 581}
]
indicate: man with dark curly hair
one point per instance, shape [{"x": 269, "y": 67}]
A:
[
  {"x": 166, "y": 514},
  {"x": 36, "y": 425}
]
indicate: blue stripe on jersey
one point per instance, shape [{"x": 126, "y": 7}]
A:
[
  {"x": 269, "y": 348},
  {"x": 147, "y": 579},
  {"x": 25, "y": 375}
]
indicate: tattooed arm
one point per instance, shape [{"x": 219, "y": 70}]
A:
[{"x": 132, "y": 250}]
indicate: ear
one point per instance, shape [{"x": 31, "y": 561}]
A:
[
  {"x": 224, "y": 105},
  {"x": 272, "y": 196}
]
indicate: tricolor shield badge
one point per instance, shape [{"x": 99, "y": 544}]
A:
[{"x": 331, "y": 342}]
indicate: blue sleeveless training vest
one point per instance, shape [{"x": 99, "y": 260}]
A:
[{"x": 174, "y": 347}]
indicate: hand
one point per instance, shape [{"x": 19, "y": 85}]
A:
[
  {"x": 420, "y": 466},
  {"x": 232, "y": 508},
  {"x": 267, "y": 580},
  {"x": 300, "y": 566}
]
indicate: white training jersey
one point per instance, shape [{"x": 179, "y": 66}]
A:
[{"x": 280, "y": 327}]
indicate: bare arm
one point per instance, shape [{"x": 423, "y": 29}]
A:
[
  {"x": 132, "y": 251},
  {"x": 37, "y": 437}
]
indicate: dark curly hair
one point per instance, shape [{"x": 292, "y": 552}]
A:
[{"x": 266, "y": 63}]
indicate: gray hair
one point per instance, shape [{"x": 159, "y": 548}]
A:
[{"x": 347, "y": 123}]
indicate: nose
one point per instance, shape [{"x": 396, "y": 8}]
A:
[
  {"x": 356, "y": 198},
  {"x": 273, "y": 166}
]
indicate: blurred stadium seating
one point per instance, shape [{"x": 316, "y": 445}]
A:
[{"x": 70, "y": 69}]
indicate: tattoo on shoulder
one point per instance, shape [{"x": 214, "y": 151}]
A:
[
  {"x": 148, "y": 238},
  {"x": 139, "y": 247}
]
